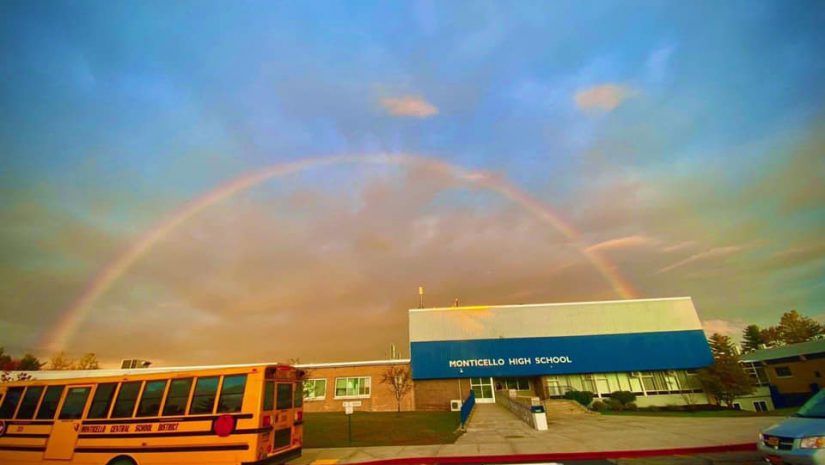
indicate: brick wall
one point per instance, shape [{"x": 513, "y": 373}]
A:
[
  {"x": 381, "y": 397},
  {"x": 436, "y": 394}
]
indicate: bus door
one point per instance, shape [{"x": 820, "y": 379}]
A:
[
  {"x": 284, "y": 418},
  {"x": 66, "y": 428}
]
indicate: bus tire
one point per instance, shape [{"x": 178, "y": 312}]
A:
[{"x": 122, "y": 460}]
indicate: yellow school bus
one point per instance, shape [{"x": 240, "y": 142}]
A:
[{"x": 232, "y": 414}]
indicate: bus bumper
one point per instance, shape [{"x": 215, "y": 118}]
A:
[{"x": 283, "y": 457}]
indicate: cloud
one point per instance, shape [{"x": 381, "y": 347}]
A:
[
  {"x": 623, "y": 243},
  {"x": 708, "y": 254},
  {"x": 410, "y": 106},
  {"x": 731, "y": 328},
  {"x": 658, "y": 61},
  {"x": 602, "y": 98}
]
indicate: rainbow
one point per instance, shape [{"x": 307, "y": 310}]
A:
[{"x": 59, "y": 335}]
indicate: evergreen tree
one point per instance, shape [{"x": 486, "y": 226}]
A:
[
  {"x": 721, "y": 346},
  {"x": 30, "y": 363},
  {"x": 751, "y": 338},
  {"x": 725, "y": 380},
  {"x": 795, "y": 328}
]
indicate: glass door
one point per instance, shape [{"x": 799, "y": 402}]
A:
[{"x": 483, "y": 389}]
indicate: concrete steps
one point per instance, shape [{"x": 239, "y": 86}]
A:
[{"x": 562, "y": 407}]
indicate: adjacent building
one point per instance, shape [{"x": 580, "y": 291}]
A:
[{"x": 790, "y": 373}]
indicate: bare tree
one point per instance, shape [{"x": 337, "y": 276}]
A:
[{"x": 399, "y": 380}]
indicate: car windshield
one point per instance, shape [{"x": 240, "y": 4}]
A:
[{"x": 814, "y": 408}]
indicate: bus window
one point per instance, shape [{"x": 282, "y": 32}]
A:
[
  {"x": 48, "y": 407},
  {"x": 126, "y": 399},
  {"x": 177, "y": 397},
  {"x": 269, "y": 395},
  {"x": 29, "y": 404},
  {"x": 232, "y": 394},
  {"x": 204, "y": 399},
  {"x": 10, "y": 402},
  {"x": 150, "y": 400},
  {"x": 75, "y": 403},
  {"x": 102, "y": 400},
  {"x": 284, "y": 396}
]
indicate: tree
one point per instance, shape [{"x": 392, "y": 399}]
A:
[
  {"x": 770, "y": 336},
  {"x": 725, "y": 380},
  {"x": 400, "y": 382},
  {"x": 87, "y": 362},
  {"x": 751, "y": 338},
  {"x": 795, "y": 328},
  {"x": 30, "y": 363},
  {"x": 61, "y": 361},
  {"x": 721, "y": 346}
]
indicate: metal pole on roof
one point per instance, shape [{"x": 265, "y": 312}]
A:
[{"x": 420, "y": 296}]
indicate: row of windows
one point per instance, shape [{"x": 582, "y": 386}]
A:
[
  {"x": 128, "y": 399},
  {"x": 358, "y": 387}
]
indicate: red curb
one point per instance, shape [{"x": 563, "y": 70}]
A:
[{"x": 610, "y": 454}]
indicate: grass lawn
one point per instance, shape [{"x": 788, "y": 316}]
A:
[
  {"x": 706, "y": 413},
  {"x": 380, "y": 429}
]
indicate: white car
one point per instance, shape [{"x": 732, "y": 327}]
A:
[{"x": 799, "y": 439}]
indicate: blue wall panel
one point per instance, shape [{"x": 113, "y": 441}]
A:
[{"x": 560, "y": 355}]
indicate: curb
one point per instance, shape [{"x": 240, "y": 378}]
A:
[{"x": 611, "y": 454}]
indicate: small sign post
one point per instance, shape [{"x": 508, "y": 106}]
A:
[{"x": 348, "y": 409}]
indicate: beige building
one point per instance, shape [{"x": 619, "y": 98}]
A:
[{"x": 328, "y": 385}]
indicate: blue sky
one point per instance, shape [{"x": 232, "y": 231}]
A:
[{"x": 682, "y": 136}]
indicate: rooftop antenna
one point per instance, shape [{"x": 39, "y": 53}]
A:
[
  {"x": 420, "y": 296},
  {"x": 455, "y": 302}
]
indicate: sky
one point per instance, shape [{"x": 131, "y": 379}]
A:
[{"x": 491, "y": 152}]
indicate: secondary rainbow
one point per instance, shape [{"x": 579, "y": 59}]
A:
[{"x": 56, "y": 339}]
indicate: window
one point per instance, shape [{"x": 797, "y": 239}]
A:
[
  {"x": 10, "y": 402},
  {"x": 284, "y": 400},
  {"x": 269, "y": 395},
  {"x": 48, "y": 407},
  {"x": 315, "y": 389},
  {"x": 737, "y": 406},
  {"x": 150, "y": 400},
  {"x": 126, "y": 399},
  {"x": 75, "y": 403},
  {"x": 29, "y": 404},
  {"x": 352, "y": 387},
  {"x": 519, "y": 384},
  {"x": 102, "y": 400},
  {"x": 177, "y": 397},
  {"x": 760, "y": 406},
  {"x": 231, "y": 394},
  {"x": 204, "y": 399},
  {"x": 783, "y": 372}
]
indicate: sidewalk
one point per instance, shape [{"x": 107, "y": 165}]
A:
[{"x": 494, "y": 431}]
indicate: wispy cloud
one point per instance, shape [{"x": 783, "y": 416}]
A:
[
  {"x": 717, "y": 252},
  {"x": 622, "y": 243},
  {"x": 602, "y": 98},
  {"x": 658, "y": 61},
  {"x": 409, "y": 106}
]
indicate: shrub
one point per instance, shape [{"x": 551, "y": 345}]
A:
[
  {"x": 631, "y": 406},
  {"x": 614, "y": 404},
  {"x": 582, "y": 397},
  {"x": 625, "y": 397},
  {"x": 599, "y": 406}
]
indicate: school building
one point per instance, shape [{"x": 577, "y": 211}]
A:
[{"x": 651, "y": 347}]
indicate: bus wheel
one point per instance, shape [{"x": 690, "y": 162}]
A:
[{"x": 122, "y": 460}]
